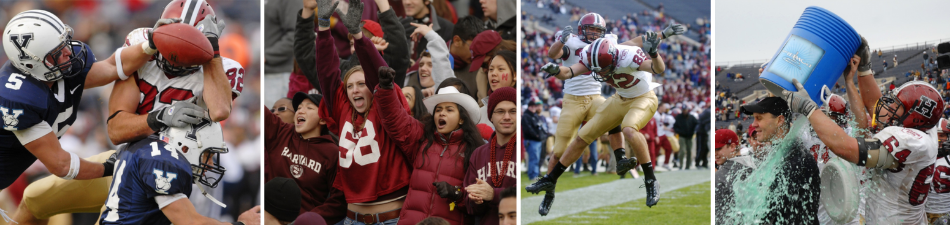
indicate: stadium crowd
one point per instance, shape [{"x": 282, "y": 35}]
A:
[{"x": 391, "y": 111}]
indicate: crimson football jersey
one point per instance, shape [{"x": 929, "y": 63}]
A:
[
  {"x": 898, "y": 195},
  {"x": 159, "y": 90}
]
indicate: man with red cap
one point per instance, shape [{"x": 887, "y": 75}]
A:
[{"x": 730, "y": 168}]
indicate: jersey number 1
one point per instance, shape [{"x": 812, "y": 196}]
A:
[{"x": 113, "y": 202}]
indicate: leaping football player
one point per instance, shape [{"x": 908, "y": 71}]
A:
[{"x": 629, "y": 69}]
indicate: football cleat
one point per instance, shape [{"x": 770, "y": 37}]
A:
[
  {"x": 653, "y": 191},
  {"x": 625, "y": 164},
  {"x": 546, "y": 203},
  {"x": 545, "y": 184}
]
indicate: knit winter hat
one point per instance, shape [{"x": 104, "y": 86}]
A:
[{"x": 500, "y": 95}]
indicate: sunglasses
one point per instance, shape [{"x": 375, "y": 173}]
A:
[{"x": 281, "y": 109}]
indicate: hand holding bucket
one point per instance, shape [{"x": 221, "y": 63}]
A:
[{"x": 815, "y": 52}]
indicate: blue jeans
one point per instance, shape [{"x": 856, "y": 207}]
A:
[
  {"x": 349, "y": 221},
  {"x": 534, "y": 152},
  {"x": 592, "y": 161}
]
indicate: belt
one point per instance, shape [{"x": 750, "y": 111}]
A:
[{"x": 373, "y": 218}]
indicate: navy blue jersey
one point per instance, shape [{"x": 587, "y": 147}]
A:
[
  {"x": 146, "y": 169},
  {"x": 25, "y": 102}
]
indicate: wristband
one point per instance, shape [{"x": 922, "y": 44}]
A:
[
  {"x": 73, "y": 167},
  {"x": 118, "y": 64},
  {"x": 214, "y": 46},
  {"x": 654, "y": 55},
  {"x": 153, "y": 122},
  {"x": 238, "y": 223},
  {"x": 148, "y": 50}
]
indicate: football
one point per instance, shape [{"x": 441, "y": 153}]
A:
[{"x": 182, "y": 44}]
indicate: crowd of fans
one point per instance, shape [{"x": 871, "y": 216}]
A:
[
  {"x": 429, "y": 92},
  {"x": 103, "y": 25}
]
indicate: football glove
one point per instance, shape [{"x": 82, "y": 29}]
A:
[
  {"x": 551, "y": 69},
  {"x": 179, "y": 114},
  {"x": 864, "y": 67},
  {"x": 650, "y": 43},
  {"x": 799, "y": 101},
  {"x": 211, "y": 27},
  {"x": 673, "y": 29},
  {"x": 565, "y": 34},
  {"x": 109, "y": 165}
]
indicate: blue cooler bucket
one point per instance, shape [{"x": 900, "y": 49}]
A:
[{"x": 816, "y": 52}]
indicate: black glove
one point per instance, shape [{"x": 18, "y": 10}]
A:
[
  {"x": 944, "y": 149},
  {"x": 109, "y": 165},
  {"x": 176, "y": 115},
  {"x": 354, "y": 16},
  {"x": 447, "y": 191},
  {"x": 386, "y": 75},
  {"x": 325, "y": 11},
  {"x": 160, "y": 22}
]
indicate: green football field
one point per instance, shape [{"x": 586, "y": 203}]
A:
[{"x": 687, "y": 205}]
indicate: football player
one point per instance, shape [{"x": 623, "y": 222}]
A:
[
  {"x": 899, "y": 156},
  {"x": 582, "y": 93},
  {"x": 837, "y": 109},
  {"x": 628, "y": 69},
  {"x": 938, "y": 201},
  {"x": 158, "y": 95},
  {"x": 43, "y": 80},
  {"x": 153, "y": 177}
]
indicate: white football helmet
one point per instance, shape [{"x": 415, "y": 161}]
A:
[
  {"x": 202, "y": 145},
  {"x": 39, "y": 44}
]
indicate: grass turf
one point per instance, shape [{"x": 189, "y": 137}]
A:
[
  {"x": 567, "y": 181},
  {"x": 688, "y": 205}
]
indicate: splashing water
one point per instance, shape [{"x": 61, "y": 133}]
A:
[
  {"x": 754, "y": 196},
  {"x": 765, "y": 186}
]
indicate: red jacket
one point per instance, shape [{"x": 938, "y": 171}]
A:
[
  {"x": 312, "y": 163},
  {"x": 441, "y": 162}
]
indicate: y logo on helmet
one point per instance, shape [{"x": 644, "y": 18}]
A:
[
  {"x": 163, "y": 180},
  {"x": 21, "y": 41},
  {"x": 10, "y": 118},
  {"x": 925, "y": 106},
  {"x": 354, "y": 142}
]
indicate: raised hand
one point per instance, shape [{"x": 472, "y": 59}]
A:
[
  {"x": 325, "y": 11},
  {"x": 353, "y": 19},
  {"x": 566, "y": 34},
  {"x": 673, "y": 29},
  {"x": 386, "y": 75},
  {"x": 650, "y": 43}
]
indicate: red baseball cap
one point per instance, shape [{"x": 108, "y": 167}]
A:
[
  {"x": 725, "y": 137},
  {"x": 373, "y": 27},
  {"x": 483, "y": 43}
]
